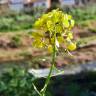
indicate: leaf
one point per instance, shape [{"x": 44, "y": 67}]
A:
[
  {"x": 23, "y": 82},
  {"x": 14, "y": 83},
  {"x": 36, "y": 89},
  {"x": 2, "y": 86}
]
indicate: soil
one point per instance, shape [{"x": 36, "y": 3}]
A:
[{"x": 23, "y": 51}]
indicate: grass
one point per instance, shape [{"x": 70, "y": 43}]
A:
[
  {"x": 86, "y": 41},
  {"x": 21, "y": 21},
  {"x": 92, "y": 29},
  {"x": 83, "y": 15},
  {"x": 15, "y": 23}
]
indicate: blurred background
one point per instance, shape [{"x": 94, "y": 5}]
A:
[{"x": 17, "y": 18}]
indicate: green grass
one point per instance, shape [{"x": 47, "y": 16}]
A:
[
  {"x": 16, "y": 21},
  {"x": 86, "y": 41},
  {"x": 92, "y": 30},
  {"x": 81, "y": 15}
]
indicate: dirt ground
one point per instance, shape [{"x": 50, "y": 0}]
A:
[{"x": 21, "y": 50}]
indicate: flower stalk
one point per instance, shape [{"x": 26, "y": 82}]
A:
[
  {"x": 51, "y": 68},
  {"x": 55, "y": 30}
]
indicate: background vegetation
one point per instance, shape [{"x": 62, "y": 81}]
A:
[
  {"x": 17, "y": 81},
  {"x": 14, "y": 21}
]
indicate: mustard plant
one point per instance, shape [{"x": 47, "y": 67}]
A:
[{"x": 53, "y": 29}]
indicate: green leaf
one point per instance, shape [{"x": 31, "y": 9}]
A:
[
  {"x": 14, "y": 82},
  {"x": 2, "y": 86}
]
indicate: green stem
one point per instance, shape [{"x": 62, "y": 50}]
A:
[{"x": 52, "y": 66}]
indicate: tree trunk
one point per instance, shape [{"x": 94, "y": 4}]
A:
[
  {"x": 53, "y": 4},
  {"x": 77, "y": 2}
]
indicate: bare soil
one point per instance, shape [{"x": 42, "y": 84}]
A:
[{"x": 25, "y": 52}]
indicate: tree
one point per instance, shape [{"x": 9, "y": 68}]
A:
[
  {"x": 76, "y": 2},
  {"x": 84, "y": 2},
  {"x": 53, "y": 4}
]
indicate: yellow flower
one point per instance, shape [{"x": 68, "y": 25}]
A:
[
  {"x": 72, "y": 23},
  {"x": 54, "y": 24},
  {"x": 71, "y": 46},
  {"x": 70, "y": 35},
  {"x": 50, "y": 49}
]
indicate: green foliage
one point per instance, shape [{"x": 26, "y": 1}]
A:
[
  {"x": 85, "y": 41},
  {"x": 17, "y": 82},
  {"x": 15, "y": 41},
  {"x": 13, "y": 21},
  {"x": 17, "y": 22},
  {"x": 84, "y": 14},
  {"x": 92, "y": 30}
]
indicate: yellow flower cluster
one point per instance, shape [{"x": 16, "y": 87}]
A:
[{"x": 54, "y": 22}]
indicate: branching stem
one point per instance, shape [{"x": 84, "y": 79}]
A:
[{"x": 51, "y": 68}]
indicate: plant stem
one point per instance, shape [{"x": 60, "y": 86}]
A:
[{"x": 51, "y": 68}]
